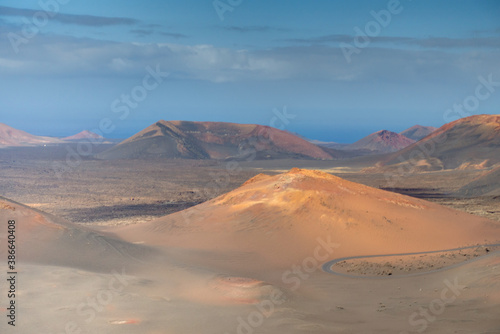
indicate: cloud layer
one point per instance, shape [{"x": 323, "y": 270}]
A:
[
  {"x": 430, "y": 42},
  {"x": 82, "y": 20},
  {"x": 54, "y": 55}
]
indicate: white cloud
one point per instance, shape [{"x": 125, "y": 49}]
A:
[
  {"x": 11, "y": 64},
  {"x": 69, "y": 56}
]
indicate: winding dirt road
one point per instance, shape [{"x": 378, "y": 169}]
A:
[{"x": 327, "y": 267}]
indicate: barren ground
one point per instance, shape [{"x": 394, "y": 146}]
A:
[
  {"x": 168, "y": 290},
  {"x": 134, "y": 191}
]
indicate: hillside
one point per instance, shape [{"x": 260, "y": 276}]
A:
[
  {"x": 14, "y": 137},
  {"x": 418, "y": 132},
  {"x": 487, "y": 184},
  {"x": 281, "y": 218},
  {"x": 84, "y": 135},
  {"x": 471, "y": 142},
  {"x": 213, "y": 140},
  {"x": 44, "y": 239},
  {"x": 381, "y": 142}
]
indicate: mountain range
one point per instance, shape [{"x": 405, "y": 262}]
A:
[
  {"x": 14, "y": 137},
  {"x": 11, "y": 137},
  {"x": 382, "y": 141},
  {"x": 472, "y": 142}
]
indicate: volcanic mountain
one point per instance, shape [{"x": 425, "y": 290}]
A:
[
  {"x": 84, "y": 135},
  {"x": 213, "y": 140},
  {"x": 381, "y": 142},
  {"x": 418, "y": 132},
  {"x": 282, "y": 218},
  {"x": 13, "y": 137},
  {"x": 471, "y": 142}
]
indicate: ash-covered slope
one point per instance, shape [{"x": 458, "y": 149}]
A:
[
  {"x": 47, "y": 240},
  {"x": 283, "y": 217},
  {"x": 487, "y": 184}
]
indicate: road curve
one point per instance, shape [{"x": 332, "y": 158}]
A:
[{"x": 327, "y": 267}]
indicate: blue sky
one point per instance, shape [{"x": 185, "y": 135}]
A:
[{"x": 64, "y": 75}]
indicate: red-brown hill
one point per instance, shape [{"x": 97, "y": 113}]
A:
[
  {"x": 213, "y": 140},
  {"x": 381, "y": 142},
  {"x": 471, "y": 142}
]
